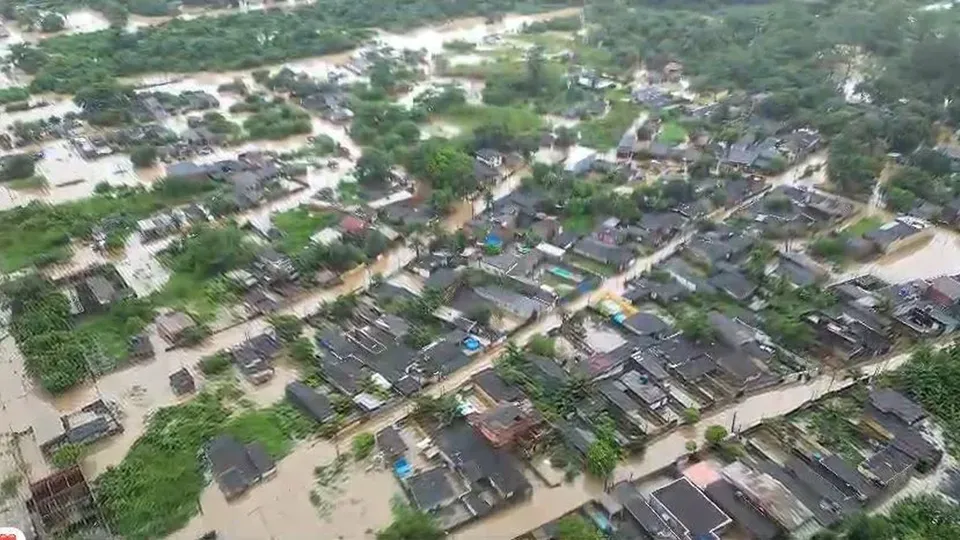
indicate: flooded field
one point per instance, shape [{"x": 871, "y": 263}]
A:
[{"x": 937, "y": 256}]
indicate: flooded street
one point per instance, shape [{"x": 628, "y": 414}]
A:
[{"x": 931, "y": 258}]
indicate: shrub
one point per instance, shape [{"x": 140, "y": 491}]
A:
[
  {"x": 215, "y": 364},
  {"x": 362, "y": 445},
  {"x": 67, "y": 455}
]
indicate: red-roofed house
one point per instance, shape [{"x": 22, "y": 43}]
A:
[{"x": 352, "y": 225}]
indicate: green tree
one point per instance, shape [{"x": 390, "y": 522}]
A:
[
  {"x": 410, "y": 524},
  {"x": 714, "y": 435},
  {"x": 52, "y": 22},
  {"x": 695, "y": 325},
  {"x": 68, "y": 455},
  {"x": 287, "y": 327},
  {"x": 143, "y": 156},
  {"x": 16, "y": 167},
  {"x": 362, "y": 445},
  {"x": 574, "y": 527},
  {"x": 690, "y": 415},
  {"x": 301, "y": 351},
  {"x": 690, "y": 446},
  {"x": 373, "y": 167},
  {"x": 542, "y": 345}
]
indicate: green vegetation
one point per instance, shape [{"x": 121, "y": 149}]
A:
[
  {"x": 68, "y": 455},
  {"x": 298, "y": 225},
  {"x": 714, "y": 435},
  {"x": 831, "y": 423},
  {"x": 16, "y": 167},
  {"x": 10, "y": 485},
  {"x": 690, "y": 415},
  {"x": 362, "y": 445},
  {"x": 410, "y": 524},
  {"x": 56, "y": 353},
  {"x": 287, "y": 327},
  {"x": 542, "y": 345},
  {"x": 931, "y": 377},
  {"x": 215, "y": 364},
  {"x": 605, "y": 452},
  {"x": 67, "y": 63},
  {"x": 863, "y": 225},
  {"x": 143, "y": 156},
  {"x": 604, "y": 133},
  {"x": 13, "y": 94},
  {"x": 155, "y": 490},
  {"x": 40, "y": 234},
  {"x": 672, "y": 133},
  {"x": 575, "y": 527},
  {"x": 925, "y": 516},
  {"x": 277, "y": 121},
  {"x": 210, "y": 251}
]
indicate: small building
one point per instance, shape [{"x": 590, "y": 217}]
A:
[
  {"x": 765, "y": 492},
  {"x": 91, "y": 423},
  {"x": 431, "y": 489},
  {"x": 615, "y": 256},
  {"x": 188, "y": 170},
  {"x": 181, "y": 382},
  {"x": 580, "y": 160},
  {"x": 889, "y": 401},
  {"x": 648, "y": 519},
  {"x": 945, "y": 291},
  {"x": 890, "y": 468},
  {"x": 254, "y": 357},
  {"x": 100, "y": 291},
  {"x": 494, "y": 389},
  {"x": 892, "y": 236},
  {"x": 311, "y": 402},
  {"x": 646, "y": 324},
  {"x": 60, "y": 502},
  {"x": 390, "y": 444},
  {"x": 490, "y": 157},
  {"x": 688, "y": 511},
  {"x": 237, "y": 467},
  {"x": 173, "y": 325}
]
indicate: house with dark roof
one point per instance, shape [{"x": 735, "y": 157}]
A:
[
  {"x": 647, "y": 324},
  {"x": 844, "y": 476},
  {"x": 312, "y": 403},
  {"x": 687, "y": 511},
  {"x": 648, "y": 519},
  {"x": 390, "y": 443},
  {"x": 890, "y": 468},
  {"x": 496, "y": 390},
  {"x": 237, "y": 467},
  {"x": 431, "y": 489},
  {"x": 478, "y": 463},
  {"x": 892, "y": 236},
  {"x": 615, "y": 256},
  {"x": 890, "y": 401},
  {"x": 181, "y": 382},
  {"x": 254, "y": 357},
  {"x": 735, "y": 284}
]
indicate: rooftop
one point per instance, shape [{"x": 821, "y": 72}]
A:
[
  {"x": 695, "y": 512},
  {"x": 890, "y": 401}
]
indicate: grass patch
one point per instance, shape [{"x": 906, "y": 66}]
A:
[
  {"x": 156, "y": 489},
  {"x": 672, "y": 133},
  {"x": 604, "y": 133},
  {"x": 203, "y": 298},
  {"x": 581, "y": 223},
  {"x": 862, "y": 226},
  {"x": 33, "y": 183},
  {"x": 111, "y": 332},
  {"x": 514, "y": 119},
  {"x": 40, "y": 234},
  {"x": 298, "y": 225}
]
